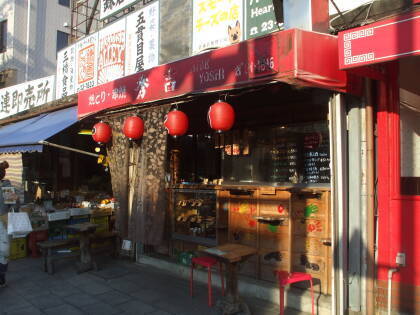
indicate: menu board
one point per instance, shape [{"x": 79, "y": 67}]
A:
[
  {"x": 285, "y": 156},
  {"x": 316, "y": 146},
  {"x": 300, "y": 155}
]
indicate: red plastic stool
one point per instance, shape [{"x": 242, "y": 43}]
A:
[
  {"x": 207, "y": 262},
  {"x": 286, "y": 278}
]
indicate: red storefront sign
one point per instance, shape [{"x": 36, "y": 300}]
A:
[
  {"x": 379, "y": 42},
  {"x": 290, "y": 56}
]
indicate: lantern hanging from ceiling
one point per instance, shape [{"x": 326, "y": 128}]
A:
[
  {"x": 133, "y": 127},
  {"x": 101, "y": 132},
  {"x": 221, "y": 116},
  {"x": 176, "y": 123}
]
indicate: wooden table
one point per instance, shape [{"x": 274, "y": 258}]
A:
[
  {"x": 232, "y": 255},
  {"x": 84, "y": 230}
]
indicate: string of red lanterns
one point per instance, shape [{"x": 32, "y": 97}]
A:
[{"x": 220, "y": 116}]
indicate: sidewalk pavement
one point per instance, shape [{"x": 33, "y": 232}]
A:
[{"x": 119, "y": 287}]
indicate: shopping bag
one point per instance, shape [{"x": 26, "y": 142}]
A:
[{"x": 18, "y": 224}]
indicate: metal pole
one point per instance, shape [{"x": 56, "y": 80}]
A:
[
  {"x": 68, "y": 148},
  {"x": 339, "y": 191}
]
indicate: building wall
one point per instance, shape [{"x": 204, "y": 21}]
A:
[
  {"x": 398, "y": 213},
  {"x": 45, "y": 18}
]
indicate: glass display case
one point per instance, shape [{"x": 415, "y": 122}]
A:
[{"x": 195, "y": 216}]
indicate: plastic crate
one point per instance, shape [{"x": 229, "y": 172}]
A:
[
  {"x": 18, "y": 248},
  {"x": 58, "y": 215},
  {"x": 33, "y": 238},
  {"x": 79, "y": 211},
  {"x": 102, "y": 222},
  {"x": 79, "y": 219},
  {"x": 57, "y": 230}
]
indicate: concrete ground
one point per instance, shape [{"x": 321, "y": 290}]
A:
[{"x": 119, "y": 287}]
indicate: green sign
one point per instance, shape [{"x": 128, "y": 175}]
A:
[{"x": 261, "y": 18}]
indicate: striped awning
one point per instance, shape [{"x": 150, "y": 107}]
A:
[{"x": 27, "y": 135}]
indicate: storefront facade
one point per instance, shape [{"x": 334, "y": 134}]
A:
[
  {"x": 275, "y": 181},
  {"x": 392, "y": 65}
]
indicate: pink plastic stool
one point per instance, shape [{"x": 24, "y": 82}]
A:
[
  {"x": 286, "y": 278},
  {"x": 207, "y": 262}
]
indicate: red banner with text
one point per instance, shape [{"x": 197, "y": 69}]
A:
[{"x": 278, "y": 56}]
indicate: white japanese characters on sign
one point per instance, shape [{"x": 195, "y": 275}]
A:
[
  {"x": 216, "y": 23},
  {"x": 109, "y": 7},
  {"x": 142, "y": 41},
  {"x": 66, "y": 63},
  {"x": 111, "y": 53},
  {"x": 86, "y": 62},
  {"x": 26, "y": 96}
]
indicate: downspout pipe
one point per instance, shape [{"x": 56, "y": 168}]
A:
[
  {"x": 28, "y": 32},
  {"x": 390, "y": 273},
  {"x": 370, "y": 182}
]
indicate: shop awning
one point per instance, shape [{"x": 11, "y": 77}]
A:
[
  {"x": 26, "y": 135},
  {"x": 293, "y": 56}
]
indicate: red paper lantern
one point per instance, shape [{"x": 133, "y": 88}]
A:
[
  {"x": 221, "y": 116},
  {"x": 133, "y": 127},
  {"x": 101, "y": 132},
  {"x": 176, "y": 123}
]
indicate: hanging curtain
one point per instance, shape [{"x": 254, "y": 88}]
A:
[
  {"x": 118, "y": 164},
  {"x": 148, "y": 179},
  {"x": 138, "y": 177}
]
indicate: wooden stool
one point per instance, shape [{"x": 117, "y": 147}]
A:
[
  {"x": 207, "y": 262},
  {"x": 286, "y": 278}
]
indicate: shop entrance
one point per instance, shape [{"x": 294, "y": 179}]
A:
[{"x": 265, "y": 184}]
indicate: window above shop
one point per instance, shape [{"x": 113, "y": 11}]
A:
[
  {"x": 65, "y": 3},
  {"x": 62, "y": 40},
  {"x": 3, "y": 36}
]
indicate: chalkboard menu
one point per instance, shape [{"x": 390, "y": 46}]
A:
[
  {"x": 285, "y": 156},
  {"x": 316, "y": 154}
]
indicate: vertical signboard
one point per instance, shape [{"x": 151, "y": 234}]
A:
[
  {"x": 111, "y": 52},
  {"x": 66, "y": 62},
  {"x": 142, "y": 39},
  {"x": 216, "y": 23},
  {"x": 86, "y": 62},
  {"x": 110, "y": 7},
  {"x": 261, "y": 18},
  {"x": 26, "y": 96}
]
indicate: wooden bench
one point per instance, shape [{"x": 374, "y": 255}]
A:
[
  {"x": 51, "y": 252},
  {"x": 51, "y": 249}
]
